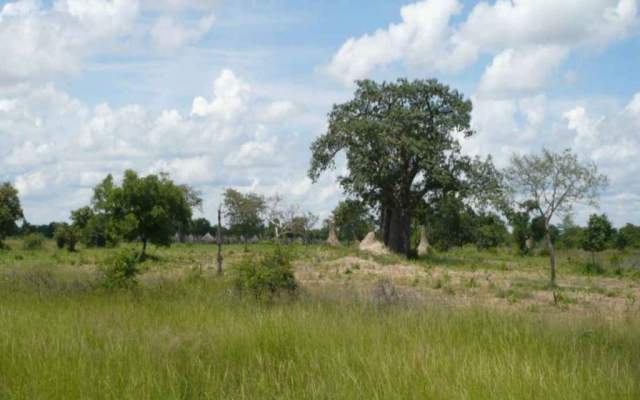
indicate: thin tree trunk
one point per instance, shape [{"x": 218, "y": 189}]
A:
[
  {"x": 219, "y": 241},
  {"x": 142, "y": 254},
  {"x": 552, "y": 256}
]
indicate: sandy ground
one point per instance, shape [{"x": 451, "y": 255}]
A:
[{"x": 609, "y": 297}]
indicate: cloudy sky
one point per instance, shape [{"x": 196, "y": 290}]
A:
[{"x": 231, "y": 93}]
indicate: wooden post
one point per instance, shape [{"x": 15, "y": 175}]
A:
[{"x": 219, "y": 241}]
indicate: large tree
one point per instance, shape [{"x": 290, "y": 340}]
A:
[
  {"x": 10, "y": 210},
  {"x": 146, "y": 208},
  {"x": 553, "y": 183},
  {"x": 243, "y": 213},
  {"x": 401, "y": 144}
]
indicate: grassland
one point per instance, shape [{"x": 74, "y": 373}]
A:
[{"x": 460, "y": 325}]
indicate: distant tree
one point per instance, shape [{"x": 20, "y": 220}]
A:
[
  {"x": 243, "y": 213},
  {"x": 553, "y": 183},
  {"x": 628, "y": 235},
  {"x": 598, "y": 233},
  {"x": 401, "y": 144},
  {"x": 450, "y": 222},
  {"x": 10, "y": 210},
  {"x": 490, "y": 230},
  {"x": 302, "y": 224},
  {"x": 146, "y": 208},
  {"x": 67, "y": 236},
  {"x": 570, "y": 234},
  {"x": 200, "y": 227},
  {"x": 352, "y": 219}
]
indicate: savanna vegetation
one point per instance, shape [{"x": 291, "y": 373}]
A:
[{"x": 485, "y": 288}]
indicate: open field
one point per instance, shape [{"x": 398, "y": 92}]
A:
[{"x": 457, "y": 325}]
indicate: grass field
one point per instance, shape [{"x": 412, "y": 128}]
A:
[{"x": 464, "y": 325}]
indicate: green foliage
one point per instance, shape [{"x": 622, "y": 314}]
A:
[
  {"x": 10, "y": 210},
  {"x": 628, "y": 236},
  {"x": 33, "y": 241},
  {"x": 449, "y": 222},
  {"x": 352, "y": 219},
  {"x": 147, "y": 208},
  {"x": 67, "y": 236},
  {"x": 265, "y": 276},
  {"x": 598, "y": 233},
  {"x": 490, "y": 231},
  {"x": 244, "y": 213},
  {"x": 401, "y": 144},
  {"x": 120, "y": 270}
]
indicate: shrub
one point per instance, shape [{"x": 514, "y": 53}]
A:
[
  {"x": 60, "y": 237},
  {"x": 592, "y": 268},
  {"x": 66, "y": 235},
  {"x": 266, "y": 276},
  {"x": 33, "y": 241},
  {"x": 120, "y": 270}
]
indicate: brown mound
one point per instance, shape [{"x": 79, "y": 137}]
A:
[{"x": 370, "y": 244}]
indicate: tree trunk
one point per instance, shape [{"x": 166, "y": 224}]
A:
[
  {"x": 399, "y": 233},
  {"x": 142, "y": 254},
  {"x": 385, "y": 227},
  {"x": 219, "y": 241},
  {"x": 552, "y": 256}
]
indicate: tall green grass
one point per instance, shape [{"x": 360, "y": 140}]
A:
[{"x": 192, "y": 339}]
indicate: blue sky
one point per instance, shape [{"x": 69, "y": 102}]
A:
[{"x": 231, "y": 93}]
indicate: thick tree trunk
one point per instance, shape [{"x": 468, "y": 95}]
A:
[
  {"x": 399, "y": 233},
  {"x": 385, "y": 227},
  {"x": 552, "y": 256}
]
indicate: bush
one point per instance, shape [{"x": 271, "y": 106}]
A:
[
  {"x": 66, "y": 235},
  {"x": 266, "y": 276},
  {"x": 120, "y": 270},
  {"x": 33, "y": 241},
  {"x": 592, "y": 268}
]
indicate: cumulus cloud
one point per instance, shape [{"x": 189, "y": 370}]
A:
[
  {"x": 54, "y": 146},
  {"x": 514, "y": 72},
  {"x": 38, "y": 42},
  {"x": 229, "y": 101},
  {"x": 515, "y": 32}
]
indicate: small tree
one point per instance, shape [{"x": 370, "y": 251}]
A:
[
  {"x": 553, "y": 183},
  {"x": 10, "y": 210},
  {"x": 243, "y": 212},
  {"x": 146, "y": 208},
  {"x": 597, "y": 235}
]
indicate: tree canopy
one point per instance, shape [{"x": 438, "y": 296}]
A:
[
  {"x": 401, "y": 142},
  {"x": 10, "y": 209},
  {"x": 147, "y": 208},
  {"x": 553, "y": 183},
  {"x": 243, "y": 213}
]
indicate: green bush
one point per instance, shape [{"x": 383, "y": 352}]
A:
[
  {"x": 592, "y": 268},
  {"x": 33, "y": 241},
  {"x": 66, "y": 235},
  {"x": 120, "y": 270},
  {"x": 266, "y": 276}
]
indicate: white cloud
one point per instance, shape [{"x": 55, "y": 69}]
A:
[
  {"x": 521, "y": 71},
  {"x": 417, "y": 40},
  {"x": 278, "y": 110},
  {"x": 253, "y": 154},
  {"x": 168, "y": 34},
  {"x": 30, "y": 184},
  {"x": 515, "y": 30},
  {"x": 230, "y": 95}
]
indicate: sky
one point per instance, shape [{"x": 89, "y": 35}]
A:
[{"x": 232, "y": 93}]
